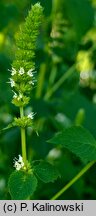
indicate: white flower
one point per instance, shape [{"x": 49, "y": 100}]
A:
[
  {"x": 17, "y": 166},
  {"x": 20, "y": 160},
  {"x": 13, "y": 71},
  {"x": 21, "y": 71},
  {"x": 30, "y": 73},
  {"x": 31, "y": 82},
  {"x": 20, "y": 96},
  {"x": 31, "y": 115},
  {"x": 84, "y": 75},
  {"x": 12, "y": 82},
  {"x": 15, "y": 95},
  {"x": 18, "y": 163},
  {"x": 54, "y": 154}
]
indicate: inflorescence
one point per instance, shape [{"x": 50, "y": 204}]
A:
[
  {"x": 22, "y": 78},
  {"x": 21, "y": 82}
]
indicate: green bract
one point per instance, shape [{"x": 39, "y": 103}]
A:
[
  {"x": 20, "y": 101},
  {"x": 23, "y": 122},
  {"x": 21, "y": 83}
]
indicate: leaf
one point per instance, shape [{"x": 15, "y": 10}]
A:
[
  {"x": 76, "y": 101},
  {"x": 79, "y": 141},
  {"x": 81, "y": 15},
  {"x": 22, "y": 185},
  {"x": 46, "y": 172},
  {"x": 8, "y": 127}
]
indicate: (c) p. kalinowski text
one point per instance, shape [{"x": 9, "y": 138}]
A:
[{"x": 59, "y": 207}]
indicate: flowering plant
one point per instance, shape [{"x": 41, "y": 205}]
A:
[
  {"x": 57, "y": 65},
  {"x": 22, "y": 82}
]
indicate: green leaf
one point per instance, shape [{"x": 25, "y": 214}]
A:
[
  {"x": 79, "y": 141},
  {"x": 22, "y": 185},
  {"x": 81, "y": 15},
  {"x": 46, "y": 172},
  {"x": 8, "y": 127}
]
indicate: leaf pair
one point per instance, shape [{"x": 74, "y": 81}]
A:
[{"x": 23, "y": 184}]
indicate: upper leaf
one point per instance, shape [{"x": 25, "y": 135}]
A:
[
  {"x": 22, "y": 185},
  {"x": 79, "y": 141},
  {"x": 46, "y": 172},
  {"x": 81, "y": 15}
]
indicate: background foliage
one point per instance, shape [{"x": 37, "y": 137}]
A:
[{"x": 67, "y": 40}]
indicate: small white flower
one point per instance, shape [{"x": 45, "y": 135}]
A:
[
  {"x": 54, "y": 154},
  {"x": 13, "y": 71},
  {"x": 20, "y": 96},
  {"x": 84, "y": 75},
  {"x": 20, "y": 160},
  {"x": 12, "y": 82},
  {"x": 30, "y": 73},
  {"x": 21, "y": 71},
  {"x": 17, "y": 166},
  {"x": 15, "y": 95},
  {"x": 31, "y": 115},
  {"x": 18, "y": 163},
  {"x": 31, "y": 82}
]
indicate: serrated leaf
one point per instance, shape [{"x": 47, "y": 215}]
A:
[
  {"x": 78, "y": 140},
  {"x": 22, "y": 185},
  {"x": 46, "y": 172}
]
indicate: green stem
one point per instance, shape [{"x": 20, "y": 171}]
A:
[
  {"x": 23, "y": 138},
  {"x": 52, "y": 76},
  {"x": 78, "y": 176},
  {"x": 54, "y": 6},
  {"x": 59, "y": 82},
  {"x": 65, "y": 75}
]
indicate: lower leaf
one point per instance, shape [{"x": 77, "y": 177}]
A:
[
  {"x": 22, "y": 185},
  {"x": 46, "y": 172}
]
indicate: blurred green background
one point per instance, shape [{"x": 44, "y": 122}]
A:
[{"x": 67, "y": 40}]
